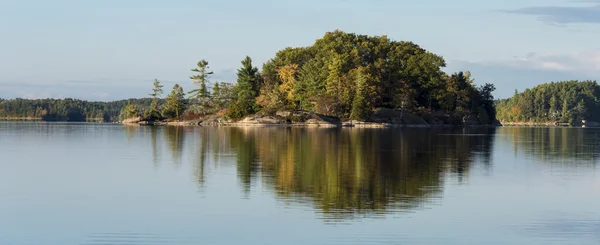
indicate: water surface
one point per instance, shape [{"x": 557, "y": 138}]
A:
[{"x": 95, "y": 184}]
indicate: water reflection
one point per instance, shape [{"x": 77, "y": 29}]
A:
[
  {"x": 565, "y": 227},
  {"x": 343, "y": 173},
  {"x": 576, "y": 147},
  {"x": 175, "y": 138}
]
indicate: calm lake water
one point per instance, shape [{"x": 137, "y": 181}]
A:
[{"x": 100, "y": 184}]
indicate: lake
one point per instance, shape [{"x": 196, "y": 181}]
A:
[{"x": 100, "y": 184}]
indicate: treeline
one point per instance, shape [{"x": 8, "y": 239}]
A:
[
  {"x": 66, "y": 109},
  {"x": 563, "y": 102}
]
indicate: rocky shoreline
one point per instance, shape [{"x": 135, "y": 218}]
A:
[
  {"x": 383, "y": 118},
  {"x": 532, "y": 124}
]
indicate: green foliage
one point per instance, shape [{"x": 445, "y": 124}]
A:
[
  {"x": 564, "y": 102},
  {"x": 154, "y": 111},
  {"x": 69, "y": 109},
  {"x": 325, "y": 78},
  {"x": 222, "y": 95},
  {"x": 175, "y": 103},
  {"x": 201, "y": 95},
  {"x": 130, "y": 111},
  {"x": 245, "y": 91},
  {"x": 361, "y": 106}
]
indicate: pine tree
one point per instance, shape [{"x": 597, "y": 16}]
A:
[
  {"x": 245, "y": 91},
  {"x": 201, "y": 94},
  {"x": 157, "y": 91},
  {"x": 175, "y": 103},
  {"x": 216, "y": 97},
  {"x": 130, "y": 111},
  {"x": 581, "y": 110}
]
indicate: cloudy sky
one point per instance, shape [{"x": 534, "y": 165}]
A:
[{"x": 113, "y": 49}]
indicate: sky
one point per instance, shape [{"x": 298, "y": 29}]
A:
[{"x": 114, "y": 49}]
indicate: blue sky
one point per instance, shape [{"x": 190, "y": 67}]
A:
[{"x": 106, "y": 50}]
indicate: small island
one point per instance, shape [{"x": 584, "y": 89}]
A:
[{"x": 343, "y": 79}]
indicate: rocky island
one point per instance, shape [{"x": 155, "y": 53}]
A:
[{"x": 343, "y": 79}]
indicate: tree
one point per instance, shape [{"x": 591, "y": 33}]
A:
[
  {"x": 553, "y": 113},
  {"x": 581, "y": 110},
  {"x": 157, "y": 91},
  {"x": 564, "y": 101},
  {"x": 487, "y": 112},
  {"x": 245, "y": 90},
  {"x": 201, "y": 94},
  {"x": 222, "y": 95},
  {"x": 287, "y": 74},
  {"x": 130, "y": 111},
  {"x": 175, "y": 103},
  {"x": 361, "y": 106}
]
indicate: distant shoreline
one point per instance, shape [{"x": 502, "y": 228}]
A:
[
  {"x": 20, "y": 119},
  {"x": 16, "y": 119}
]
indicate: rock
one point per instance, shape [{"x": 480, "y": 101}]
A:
[
  {"x": 283, "y": 113},
  {"x": 134, "y": 120}
]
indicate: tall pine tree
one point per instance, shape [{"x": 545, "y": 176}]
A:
[
  {"x": 201, "y": 95},
  {"x": 157, "y": 91}
]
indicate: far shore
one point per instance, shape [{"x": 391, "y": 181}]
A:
[{"x": 20, "y": 119}]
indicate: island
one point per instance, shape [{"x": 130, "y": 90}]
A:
[{"x": 343, "y": 79}]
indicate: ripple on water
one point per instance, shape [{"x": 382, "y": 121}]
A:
[
  {"x": 562, "y": 228},
  {"x": 134, "y": 238}
]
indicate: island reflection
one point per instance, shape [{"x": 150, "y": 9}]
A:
[{"x": 341, "y": 173}]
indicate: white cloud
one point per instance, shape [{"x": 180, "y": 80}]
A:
[
  {"x": 557, "y": 15},
  {"x": 587, "y": 62},
  {"x": 531, "y": 69}
]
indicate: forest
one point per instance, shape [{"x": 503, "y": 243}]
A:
[
  {"x": 563, "y": 102},
  {"x": 66, "y": 109},
  {"x": 342, "y": 74}
]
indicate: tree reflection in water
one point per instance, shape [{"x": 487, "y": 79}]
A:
[{"x": 345, "y": 173}]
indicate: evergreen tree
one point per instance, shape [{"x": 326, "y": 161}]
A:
[
  {"x": 581, "y": 110},
  {"x": 201, "y": 95},
  {"x": 245, "y": 90},
  {"x": 175, "y": 103},
  {"x": 361, "y": 106},
  {"x": 222, "y": 95},
  {"x": 553, "y": 113},
  {"x": 157, "y": 91},
  {"x": 130, "y": 111}
]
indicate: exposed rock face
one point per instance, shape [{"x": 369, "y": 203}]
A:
[
  {"x": 283, "y": 113},
  {"x": 381, "y": 118},
  {"x": 291, "y": 118},
  {"x": 258, "y": 120},
  {"x": 134, "y": 120}
]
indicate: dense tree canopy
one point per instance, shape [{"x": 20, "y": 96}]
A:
[
  {"x": 349, "y": 75},
  {"x": 566, "y": 102}
]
